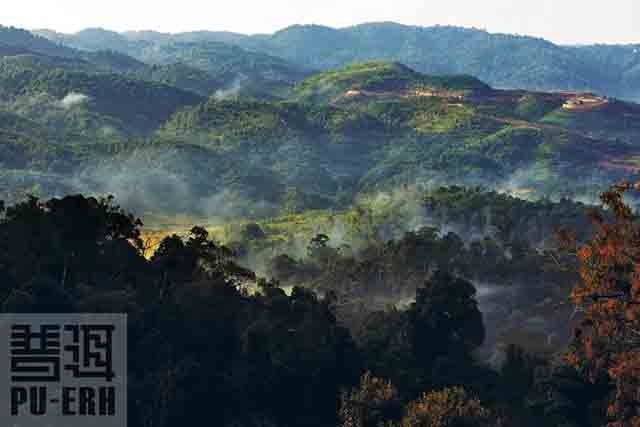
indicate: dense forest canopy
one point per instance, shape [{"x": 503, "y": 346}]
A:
[{"x": 293, "y": 356}]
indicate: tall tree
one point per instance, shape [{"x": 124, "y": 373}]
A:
[{"x": 608, "y": 297}]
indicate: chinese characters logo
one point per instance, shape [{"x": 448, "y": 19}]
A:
[{"x": 63, "y": 370}]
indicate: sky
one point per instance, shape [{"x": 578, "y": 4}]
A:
[{"x": 561, "y": 21}]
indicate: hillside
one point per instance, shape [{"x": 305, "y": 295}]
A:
[
  {"x": 380, "y": 78},
  {"x": 263, "y": 75},
  {"x": 181, "y": 76},
  {"x": 109, "y": 59},
  {"x": 501, "y": 60},
  {"x": 38, "y": 87},
  {"x": 319, "y": 144},
  {"x": 23, "y": 39},
  {"x": 377, "y": 126},
  {"x": 7, "y": 50}
]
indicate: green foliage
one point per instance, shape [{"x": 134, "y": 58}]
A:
[
  {"x": 266, "y": 356},
  {"x": 501, "y": 60},
  {"x": 429, "y": 344},
  {"x": 241, "y": 121},
  {"x": 534, "y": 106},
  {"x": 379, "y": 142},
  {"x": 23, "y": 39},
  {"x": 111, "y": 61},
  {"x": 276, "y": 156},
  {"x": 142, "y": 105},
  {"x": 190, "y": 62},
  {"x": 441, "y": 119},
  {"x": 181, "y": 76},
  {"x": 377, "y": 76},
  {"x": 224, "y": 61}
]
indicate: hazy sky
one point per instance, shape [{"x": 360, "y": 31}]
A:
[{"x": 563, "y": 21}]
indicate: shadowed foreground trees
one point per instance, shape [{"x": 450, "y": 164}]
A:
[
  {"x": 205, "y": 349},
  {"x": 430, "y": 344},
  {"x": 202, "y": 347},
  {"x": 199, "y": 347}
]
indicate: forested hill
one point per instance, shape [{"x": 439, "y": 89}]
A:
[
  {"x": 221, "y": 61},
  {"x": 502, "y": 60},
  {"x": 195, "y": 141},
  {"x": 29, "y": 84},
  {"x": 18, "y": 38}
]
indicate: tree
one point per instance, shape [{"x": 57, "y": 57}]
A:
[
  {"x": 67, "y": 241},
  {"x": 429, "y": 344},
  {"x": 197, "y": 341},
  {"x": 252, "y": 231},
  {"x": 445, "y": 318},
  {"x": 319, "y": 250},
  {"x": 608, "y": 296},
  {"x": 517, "y": 372},
  {"x": 284, "y": 267},
  {"x": 451, "y": 407},
  {"x": 373, "y": 403}
]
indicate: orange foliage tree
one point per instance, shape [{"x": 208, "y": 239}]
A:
[
  {"x": 451, "y": 407},
  {"x": 374, "y": 402},
  {"x": 608, "y": 298}
]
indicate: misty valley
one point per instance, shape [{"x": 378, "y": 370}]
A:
[{"x": 374, "y": 226}]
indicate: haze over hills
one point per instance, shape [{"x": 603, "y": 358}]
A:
[
  {"x": 268, "y": 136},
  {"x": 502, "y": 60}
]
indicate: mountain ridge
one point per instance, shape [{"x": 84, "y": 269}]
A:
[
  {"x": 285, "y": 138},
  {"x": 502, "y": 60}
]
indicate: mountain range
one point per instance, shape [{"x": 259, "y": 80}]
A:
[
  {"x": 501, "y": 60},
  {"x": 222, "y": 124}
]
